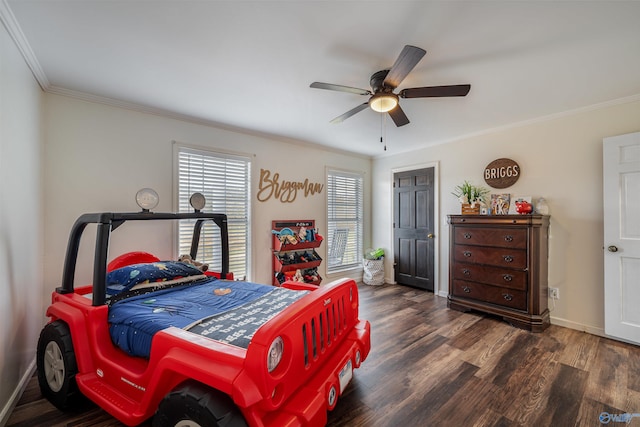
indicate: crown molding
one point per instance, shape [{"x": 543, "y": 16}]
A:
[
  {"x": 541, "y": 119},
  {"x": 15, "y": 32}
]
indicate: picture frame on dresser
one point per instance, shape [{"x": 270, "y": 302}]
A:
[
  {"x": 498, "y": 265},
  {"x": 500, "y": 204}
]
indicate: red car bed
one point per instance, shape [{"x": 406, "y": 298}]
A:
[{"x": 159, "y": 338}]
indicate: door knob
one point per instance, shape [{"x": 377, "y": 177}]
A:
[
  {"x": 431, "y": 235},
  {"x": 612, "y": 248}
]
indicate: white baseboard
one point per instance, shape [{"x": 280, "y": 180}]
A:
[
  {"x": 593, "y": 330},
  {"x": 349, "y": 274},
  {"x": 578, "y": 326},
  {"x": 17, "y": 394}
]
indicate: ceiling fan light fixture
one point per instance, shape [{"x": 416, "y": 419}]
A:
[{"x": 383, "y": 102}]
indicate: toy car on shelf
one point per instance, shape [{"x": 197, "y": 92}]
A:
[{"x": 164, "y": 339}]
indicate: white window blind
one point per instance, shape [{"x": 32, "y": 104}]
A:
[
  {"x": 224, "y": 180},
  {"x": 344, "y": 220}
]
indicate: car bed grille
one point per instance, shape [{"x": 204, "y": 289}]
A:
[{"x": 323, "y": 329}]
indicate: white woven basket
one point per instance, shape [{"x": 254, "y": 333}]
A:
[{"x": 373, "y": 271}]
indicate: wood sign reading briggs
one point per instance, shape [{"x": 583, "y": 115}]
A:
[{"x": 501, "y": 173}]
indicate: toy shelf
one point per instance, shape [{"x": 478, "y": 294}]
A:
[
  {"x": 294, "y": 255},
  {"x": 279, "y": 246},
  {"x": 283, "y": 266}
]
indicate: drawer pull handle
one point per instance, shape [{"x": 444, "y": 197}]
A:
[
  {"x": 508, "y": 258},
  {"x": 467, "y": 235},
  {"x": 508, "y": 238},
  {"x": 508, "y": 297},
  {"x": 467, "y": 254},
  {"x": 466, "y": 289},
  {"x": 466, "y": 272},
  {"x": 507, "y": 277}
]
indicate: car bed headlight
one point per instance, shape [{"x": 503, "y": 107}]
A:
[{"x": 276, "y": 349}]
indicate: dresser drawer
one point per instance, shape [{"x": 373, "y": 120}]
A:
[
  {"x": 488, "y": 236},
  {"x": 501, "y": 257},
  {"x": 513, "y": 279},
  {"x": 492, "y": 294}
]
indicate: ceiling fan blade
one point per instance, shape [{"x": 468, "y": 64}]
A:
[
  {"x": 340, "y": 88},
  {"x": 435, "y": 91},
  {"x": 350, "y": 113},
  {"x": 398, "y": 116},
  {"x": 407, "y": 60}
]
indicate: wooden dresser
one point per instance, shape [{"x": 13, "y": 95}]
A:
[{"x": 498, "y": 265}]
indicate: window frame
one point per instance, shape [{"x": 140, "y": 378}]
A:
[
  {"x": 218, "y": 155},
  {"x": 355, "y": 258}
]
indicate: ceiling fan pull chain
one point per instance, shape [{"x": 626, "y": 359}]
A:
[
  {"x": 382, "y": 129},
  {"x": 384, "y": 120}
]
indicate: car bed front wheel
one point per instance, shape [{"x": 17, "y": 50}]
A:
[
  {"x": 56, "y": 364},
  {"x": 196, "y": 405}
]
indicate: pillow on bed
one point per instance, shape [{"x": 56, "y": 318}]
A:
[{"x": 125, "y": 278}]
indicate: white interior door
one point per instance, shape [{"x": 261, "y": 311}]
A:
[{"x": 621, "y": 163}]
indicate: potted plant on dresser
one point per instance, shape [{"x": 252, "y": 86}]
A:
[{"x": 471, "y": 197}]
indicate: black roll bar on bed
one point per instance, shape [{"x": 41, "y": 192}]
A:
[{"x": 108, "y": 222}]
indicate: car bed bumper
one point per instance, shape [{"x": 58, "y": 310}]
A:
[{"x": 309, "y": 405}]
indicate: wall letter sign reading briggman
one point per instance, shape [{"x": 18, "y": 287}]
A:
[
  {"x": 270, "y": 185},
  {"x": 501, "y": 173}
]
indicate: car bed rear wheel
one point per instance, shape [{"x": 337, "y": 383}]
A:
[
  {"x": 56, "y": 364},
  {"x": 196, "y": 405}
]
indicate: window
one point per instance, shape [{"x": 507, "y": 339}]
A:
[
  {"x": 225, "y": 182},
  {"x": 344, "y": 220}
]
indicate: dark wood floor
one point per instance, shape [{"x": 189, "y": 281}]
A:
[{"x": 431, "y": 366}]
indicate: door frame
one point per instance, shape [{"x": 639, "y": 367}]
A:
[{"x": 436, "y": 223}]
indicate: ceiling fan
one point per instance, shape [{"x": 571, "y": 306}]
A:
[{"x": 384, "y": 82}]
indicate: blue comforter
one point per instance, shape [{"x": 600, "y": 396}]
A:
[{"x": 134, "y": 320}]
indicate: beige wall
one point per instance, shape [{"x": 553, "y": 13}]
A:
[
  {"x": 99, "y": 156},
  {"x": 21, "y": 301},
  {"x": 561, "y": 160}
]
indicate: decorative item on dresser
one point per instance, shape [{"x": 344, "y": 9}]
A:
[
  {"x": 471, "y": 197},
  {"x": 498, "y": 265}
]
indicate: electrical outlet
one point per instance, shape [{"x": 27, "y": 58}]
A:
[{"x": 554, "y": 293}]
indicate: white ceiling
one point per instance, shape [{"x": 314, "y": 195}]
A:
[{"x": 247, "y": 65}]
